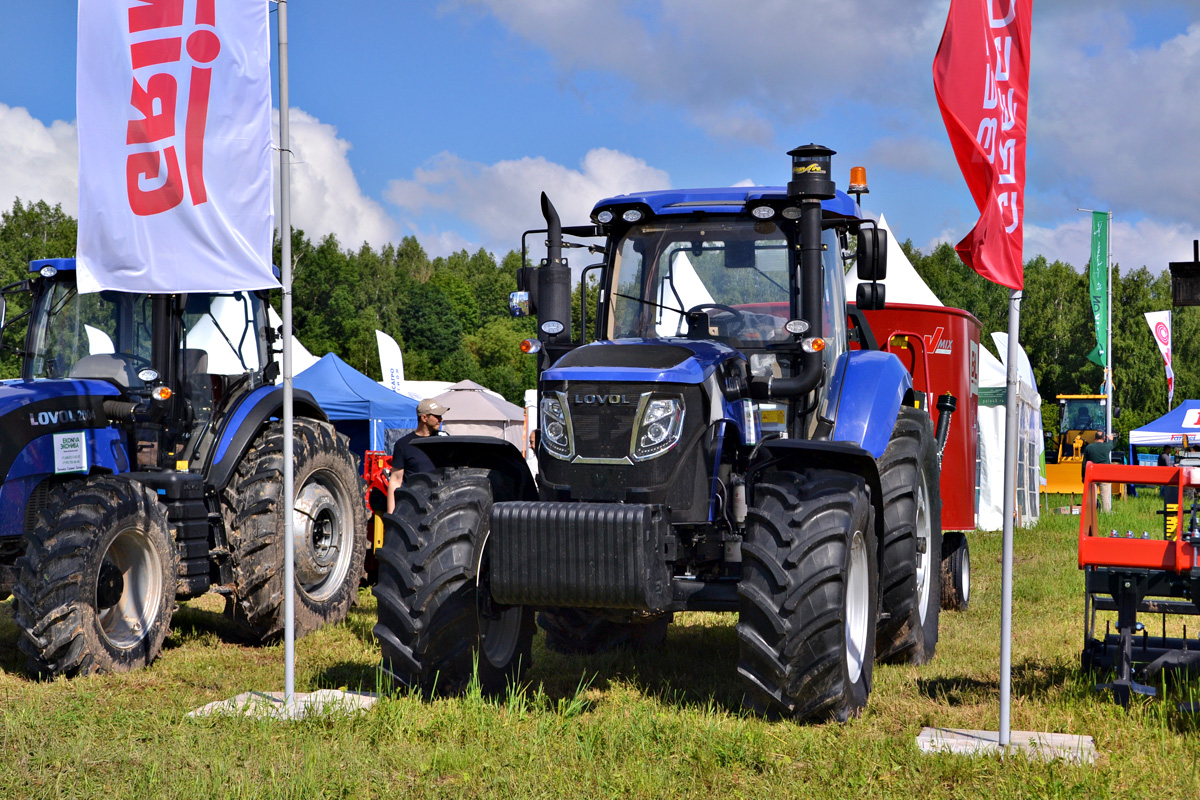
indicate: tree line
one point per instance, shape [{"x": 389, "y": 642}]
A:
[{"x": 450, "y": 314}]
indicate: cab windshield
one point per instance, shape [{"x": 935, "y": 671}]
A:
[
  {"x": 1082, "y": 415},
  {"x": 734, "y": 272}
]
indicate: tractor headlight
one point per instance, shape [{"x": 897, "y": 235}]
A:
[
  {"x": 659, "y": 428},
  {"x": 556, "y": 427}
]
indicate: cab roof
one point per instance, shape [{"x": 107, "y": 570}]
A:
[{"x": 724, "y": 200}]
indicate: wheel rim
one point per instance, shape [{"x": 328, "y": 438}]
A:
[
  {"x": 500, "y": 637},
  {"x": 924, "y": 550},
  {"x": 129, "y": 588},
  {"x": 858, "y": 601},
  {"x": 966, "y": 573},
  {"x": 322, "y": 528}
]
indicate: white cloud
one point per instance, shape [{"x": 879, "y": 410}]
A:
[
  {"x": 503, "y": 199},
  {"x": 37, "y": 161},
  {"x": 325, "y": 195}
]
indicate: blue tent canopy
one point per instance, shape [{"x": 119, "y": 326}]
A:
[
  {"x": 358, "y": 406},
  {"x": 1181, "y": 421}
]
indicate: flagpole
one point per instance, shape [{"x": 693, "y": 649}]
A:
[
  {"x": 1108, "y": 405},
  {"x": 289, "y": 477},
  {"x": 1010, "y": 489}
]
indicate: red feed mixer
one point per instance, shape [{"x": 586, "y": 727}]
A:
[{"x": 940, "y": 347}]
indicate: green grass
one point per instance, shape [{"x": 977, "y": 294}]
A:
[{"x": 663, "y": 724}]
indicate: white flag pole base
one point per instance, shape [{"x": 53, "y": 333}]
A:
[
  {"x": 274, "y": 705},
  {"x": 1074, "y": 748}
]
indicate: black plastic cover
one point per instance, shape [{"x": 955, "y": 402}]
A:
[{"x": 580, "y": 555}]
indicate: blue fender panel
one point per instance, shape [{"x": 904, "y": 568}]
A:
[
  {"x": 244, "y": 421},
  {"x": 865, "y": 394}
]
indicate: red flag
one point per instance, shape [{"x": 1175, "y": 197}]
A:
[{"x": 981, "y": 77}]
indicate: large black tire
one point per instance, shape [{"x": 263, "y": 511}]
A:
[
  {"x": 575, "y": 631},
  {"x": 96, "y": 585},
  {"x": 329, "y": 527},
  {"x": 436, "y": 618},
  {"x": 808, "y": 596},
  {"x": 956, "y": 571},
  {"x": 910, "y": 568}
]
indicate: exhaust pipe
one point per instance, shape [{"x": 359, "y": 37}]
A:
[{"x": 553, "y": 283}]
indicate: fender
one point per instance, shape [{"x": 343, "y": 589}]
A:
[
  {"x": 800, "y": 454},
  {"x": 484, "y": 452},
  {"x": 865, "y": 396},
  {"x": 243, "y": 422}
]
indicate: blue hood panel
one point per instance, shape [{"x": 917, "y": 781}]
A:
[
  {"x": 695, "y": 367},
  {"x": 20, "y": 393}
]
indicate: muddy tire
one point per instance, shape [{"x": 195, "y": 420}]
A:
[
  {"x": 576, "y": 631},
  {"x": 329, "y": 532},
  {"x": 956, "y": 572},
  {"x": 808, "y": 597},
  {"x": 96, "y": 586},
  {"x": 910, "y": 568},
  {"x": 436, "y": 619}
]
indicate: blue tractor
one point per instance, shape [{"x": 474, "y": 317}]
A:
[
  {"x": 141, "y": 455},
  {"x": 730, "y": 439}
]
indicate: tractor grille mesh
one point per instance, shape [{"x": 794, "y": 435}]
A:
[{"x": 39, "y": 498}]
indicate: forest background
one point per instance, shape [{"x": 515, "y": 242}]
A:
[{"x": 450, "y": 315}]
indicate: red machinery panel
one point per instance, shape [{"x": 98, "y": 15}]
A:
[{"x": 940, "y": 347}]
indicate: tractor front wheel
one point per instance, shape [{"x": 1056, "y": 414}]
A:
[
  {"x": 96, "y": 585},
  {"x": 437, "y": 620},
  {"x": 808, "y": 596}
]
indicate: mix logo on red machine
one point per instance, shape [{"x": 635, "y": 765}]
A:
[{"x": 934, "y": 342}]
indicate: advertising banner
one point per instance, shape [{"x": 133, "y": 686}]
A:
[
  {"x": 1160, "y": 327},
  {"x": 1098, "y": 286},
  {"x": 173, "y": 101},
  {"x": 981, "y": 78}
]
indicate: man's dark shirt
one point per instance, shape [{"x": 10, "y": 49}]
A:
[
  {"x": 1166, "y": 460},
  {"x": 409, "y": 458},
  {"x": 1097, "y": 453}
]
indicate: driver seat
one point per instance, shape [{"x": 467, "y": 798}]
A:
[{"x": 106, "y": 366}]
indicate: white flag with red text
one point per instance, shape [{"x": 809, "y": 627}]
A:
[
  {"x": 173, "y": 99},
  {"x": 1160, "y": 326}
]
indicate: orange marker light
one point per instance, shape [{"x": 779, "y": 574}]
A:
[
  {"x": 858, "y": 181},
  {"x": 161, "y": 393},
  {"x": 813, "y": 345},
  {"x": 531, "y": 346}
]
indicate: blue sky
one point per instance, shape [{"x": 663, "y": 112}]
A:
[{"x": 446, "y": 119}]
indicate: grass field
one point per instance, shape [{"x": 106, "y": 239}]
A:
[{"x": 664, "y": 724}]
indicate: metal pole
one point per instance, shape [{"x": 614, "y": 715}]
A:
[
  {"x": 1010, "y": 488},
  {"x": 1108, "y": 404},
  {"x": 289, "y": 478}
]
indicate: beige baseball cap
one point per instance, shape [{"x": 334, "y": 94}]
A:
[{"x": 431, "y": 407}]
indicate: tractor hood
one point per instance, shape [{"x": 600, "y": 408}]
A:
[
  {"x": 46, "y": 397},
  {"x": 642, "y": 360}
]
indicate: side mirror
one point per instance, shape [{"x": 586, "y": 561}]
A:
[
  {"x": 870, "y": 296},
  {"x": 518, "y": 304},
  {"x": 527, "y": 284},
  {"x": 872, "y": 254},
  {"x": 3, "y": 308}
]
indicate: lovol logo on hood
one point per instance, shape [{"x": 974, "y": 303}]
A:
[
  {"x": 68, "y": 416},
  {"x": 603, "y": 399}
]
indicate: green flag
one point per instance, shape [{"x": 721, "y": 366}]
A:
[{"x": 1098, "y": 286}]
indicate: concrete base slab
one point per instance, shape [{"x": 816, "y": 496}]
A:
[
  {"x": 304, "y": 704},
  {"x": 1045, "y": 746}
]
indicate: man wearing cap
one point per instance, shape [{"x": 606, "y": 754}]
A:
[{"x": 405, "y": 457}]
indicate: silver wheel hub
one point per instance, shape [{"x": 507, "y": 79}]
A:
[
  {"x": 924, "y": 545},
  {"x": 858, "y": 602},
  {"x": 129, "y": 588},
  {"x": 322, "y": 533}
]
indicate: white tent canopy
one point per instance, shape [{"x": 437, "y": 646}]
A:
[{"x": 989, "y": 508}]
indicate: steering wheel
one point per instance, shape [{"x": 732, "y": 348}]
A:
[
  {"x": 134, "y": 359},
  {"x": 735, "y": 327}
]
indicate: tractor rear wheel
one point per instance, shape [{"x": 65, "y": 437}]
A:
[
  {"x": 96, "y": 585},
  {"x": 436, "y": 616},
  {"x": 328, "y": 531},
  {"x": 573, "y": 631},
  {"x": 910, "y": 565},
  {"x": 808, "y": 596},
  {"x": 956, "y": 571}
]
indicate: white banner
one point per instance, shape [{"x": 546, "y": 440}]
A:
[
  {"x": 391, "y": 361},
  {"x": 1160, "y": 327},
  {"x": 173, "y": 99}
]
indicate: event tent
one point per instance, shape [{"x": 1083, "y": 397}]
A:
[
  {"x": 993, "y": 392},
  {"x": 1181, "y": 421},
  {"x": 358, "y": 406},
  {"x": 477, "y": 411}
]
